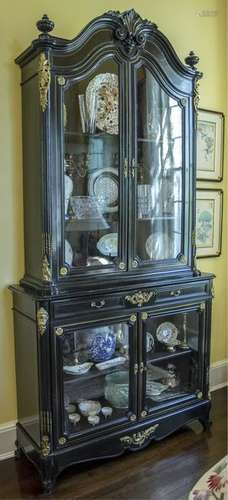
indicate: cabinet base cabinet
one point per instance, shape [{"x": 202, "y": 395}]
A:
[
  {"x": 133, "y": 438},
  {"x": 90, "y": 386}
]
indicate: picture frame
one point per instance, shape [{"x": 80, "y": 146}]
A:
[
  {"x": 209, "y": 212},
  {"x": 210, "y": 145}
]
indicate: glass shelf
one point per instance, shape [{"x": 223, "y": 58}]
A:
[
  {"x": 163, "y": 356},
  {"x": 141, "y": 219},
  {"x": 155, "y": 141},
  {"x": 94, "y": 373}
]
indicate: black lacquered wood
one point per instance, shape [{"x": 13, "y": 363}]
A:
[{"x": 56, "y": 300}]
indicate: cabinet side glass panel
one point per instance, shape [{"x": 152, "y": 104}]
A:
[
  {"x": 91, "y": 169},
  {"x": 95, "y": 376},
  {"x": 172, "y": 358},
  {"x": 159, "y": 202}
]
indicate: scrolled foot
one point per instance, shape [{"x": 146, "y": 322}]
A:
[
  {"x": 206, "y": 423},
  {"x": 48, "y": 486}
]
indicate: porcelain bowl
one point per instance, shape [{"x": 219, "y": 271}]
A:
[
  {"x": 78, "y": 369},
  {"x": 117, "y": 389},
  {"x": 89, "y": 407}
]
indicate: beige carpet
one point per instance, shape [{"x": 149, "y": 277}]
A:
[{"x": 213, "y": 484}]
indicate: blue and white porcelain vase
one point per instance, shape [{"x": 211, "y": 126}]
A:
[{"x": 102, "y": 345}]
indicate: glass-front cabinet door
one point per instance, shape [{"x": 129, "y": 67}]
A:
[
  {"x": 157, "y": 173},
  {"x": 93, "y": 214},
  {"x": 172, "y": 352},
  {"x": 96, "y": 374}
]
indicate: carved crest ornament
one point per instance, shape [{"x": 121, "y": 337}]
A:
[{"x": 131, "y": 30}]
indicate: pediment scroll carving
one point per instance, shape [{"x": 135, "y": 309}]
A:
[{"x": 131, "y": 31}]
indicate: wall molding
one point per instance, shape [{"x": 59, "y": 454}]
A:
[
  {"x": 7, "y": 440},
  {"x": 219, "y": 375},
  {"x": 218, "y": 379}
]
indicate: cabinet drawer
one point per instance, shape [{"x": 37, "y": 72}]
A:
[
  {"x": 92, "y": 304},
  {"x": 141, "y": 297},
  {"x": 162, "y": 294},
  {"x": 182, "y": 291}
]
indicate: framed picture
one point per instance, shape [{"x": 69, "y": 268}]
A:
[
  {"x": 208, "y": 222},
  {"x": 210, "y": 140}
]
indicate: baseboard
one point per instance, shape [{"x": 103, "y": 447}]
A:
[
  {"x": 219, "y": 375},
  {"x": 218, "y": 379},
  {"x": 7, "y": 440}
]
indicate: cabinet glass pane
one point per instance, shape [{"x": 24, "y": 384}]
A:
[
  {"x": 91, "y": 169},
  {"x": 172, "y": 357},
  {"x": 95, "y": 376},
  {"x": 159, "y": 171}
]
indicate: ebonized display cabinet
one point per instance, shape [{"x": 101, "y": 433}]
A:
[{"x": 109, "y": 149}]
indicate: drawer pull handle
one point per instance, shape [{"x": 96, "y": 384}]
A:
[
  {"x": 97, "y": 304},
  {"x": 175, "y": 293}
]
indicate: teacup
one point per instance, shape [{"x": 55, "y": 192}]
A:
[{"x": 74, "y": 418}]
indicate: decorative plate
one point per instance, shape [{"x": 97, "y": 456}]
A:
[
  {"x": 104, "y": 185},
  {"x": 149, "y": 342},
  {"x": 108, "y": 244},
  {"x": 159, "y": 246},
  {"x": 167, "y": 333},
  {"x": 68, "y": 253},
  {"x": 105, "y": 86}
]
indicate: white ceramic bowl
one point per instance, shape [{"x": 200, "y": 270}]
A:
[
  {"x": 74, "y": 418},
  {"x": 78, "y": 369},
  {"x": 106, "y": 411},
  {"x": 93, "y": 419},
  {"x": 88, "y": 407}
]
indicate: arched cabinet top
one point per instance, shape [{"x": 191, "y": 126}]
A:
[{"x": 126, "y": 34}]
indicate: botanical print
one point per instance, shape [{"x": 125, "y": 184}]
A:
[
  {"x": 214, "y": 484},
  {"x": 206, "y": 138},
  {"x": 205, "y": 223}
]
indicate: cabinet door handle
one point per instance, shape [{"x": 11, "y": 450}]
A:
[
  {"x": 141, "y": 367},
  {"x": 133, "y": 167},
  {"x": 125, "y": 168},
  {"x": 98, "y": 304},
  {"x": 175, "y": 293},
  {"x": 136, "y": 368}
]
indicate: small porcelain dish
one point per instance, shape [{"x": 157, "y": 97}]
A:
[
  {"x": 119, "y": 360},
  {"x": 106, "y": 411},
  {"x": 93, "y": 419},
  {"x": 74, "y": 418},
  {"x": 89, "y": 407},
  {"x": 78, "y": 369}
]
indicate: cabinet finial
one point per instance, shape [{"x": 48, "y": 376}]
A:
[
  {"x": 45, "y": 25},
  {"x": 192, "y": 59}
]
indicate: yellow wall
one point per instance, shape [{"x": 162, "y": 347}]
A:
[{"x": 186, "y": 29}]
